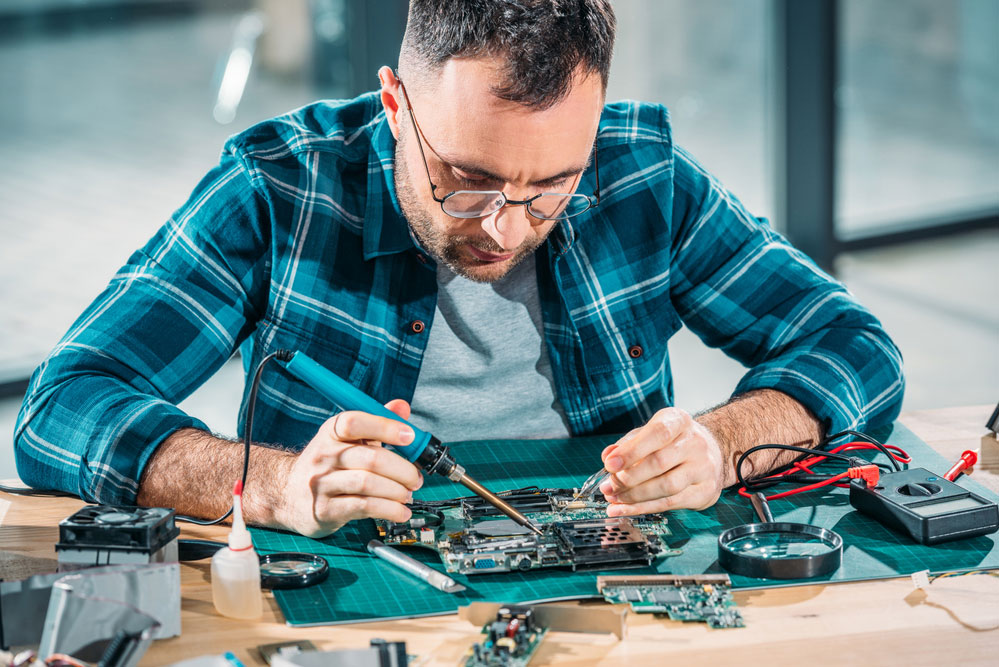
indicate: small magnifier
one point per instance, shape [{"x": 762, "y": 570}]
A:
[
  {"x": 290, "y": 569},
  {"x": 779, "y": 549}
]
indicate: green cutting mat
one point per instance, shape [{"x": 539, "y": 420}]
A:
[{"x": 364, "y": 588}]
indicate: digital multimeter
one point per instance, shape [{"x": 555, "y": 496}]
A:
[{"x": 928, "y": 507}]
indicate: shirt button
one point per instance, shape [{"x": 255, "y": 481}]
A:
[
  {"x": 417, "y": 326},
  {"x": 635, "y": 351}
]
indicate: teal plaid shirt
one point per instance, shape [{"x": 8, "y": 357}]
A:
[{"x": 296, "y": 241}]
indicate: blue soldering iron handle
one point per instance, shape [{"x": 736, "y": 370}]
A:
[{"x": 348, "y": 397}]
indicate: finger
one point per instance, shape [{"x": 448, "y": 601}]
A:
[
  {"x": 400, "y": 407},
  {"x": 692, "y": 497},
  {"x": 655, "y": 464},
  {"x": 356, "y": 426},
  {"x": 347, "y": 508},
  {"x": 361, "y": 483},
  {"x": 668, "y": 484},
  {"x": 659, "y": 432},
  {"x": 610, "y": 448},
  {"x": 380, "y": 461}
]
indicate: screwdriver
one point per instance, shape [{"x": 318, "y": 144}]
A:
[{"x": 426, "y": 451}]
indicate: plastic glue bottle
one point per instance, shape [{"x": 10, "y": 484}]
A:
[{"x": 236, "y": 569}]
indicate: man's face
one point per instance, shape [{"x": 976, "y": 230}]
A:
[{"x": 476, "y": 141}]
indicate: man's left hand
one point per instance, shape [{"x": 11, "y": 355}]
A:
[{"x": 673, "y": 462}]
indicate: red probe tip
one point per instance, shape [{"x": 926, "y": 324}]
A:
[
  {"x": 237, "y": 490},
  {"x": 968, "y": 459},
  {"x": 870, "y": 474}
]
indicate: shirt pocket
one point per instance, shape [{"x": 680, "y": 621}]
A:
[{"x": 632, "y": 342}]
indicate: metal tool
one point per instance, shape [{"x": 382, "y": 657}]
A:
[
  {"x": 425, "y": 451},
  {"x": 591, "y": 484},
  {"x": 779, "y": 549},
  {"x": 438, "y": 580}
]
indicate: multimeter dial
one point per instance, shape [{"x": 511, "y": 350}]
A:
[{"x": 928, "y": 507}]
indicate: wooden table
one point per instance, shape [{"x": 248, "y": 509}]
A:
[{"x": 881, "y": 622}]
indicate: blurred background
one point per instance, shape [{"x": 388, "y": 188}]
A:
[{"x": 865, "y": 130}]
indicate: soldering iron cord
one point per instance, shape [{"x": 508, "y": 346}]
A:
[{"x": 251, "y": 404}]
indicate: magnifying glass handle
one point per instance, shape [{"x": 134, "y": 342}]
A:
[{"x": 762, "y": 507}]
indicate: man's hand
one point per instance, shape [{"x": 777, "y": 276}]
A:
[
  {"x": 679, "y": 462},
  {"x": 673, "y": 462},
  {"x": 343, "y": 474}
]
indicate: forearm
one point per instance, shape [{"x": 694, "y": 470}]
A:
[
  {"x": 194, "y": 472},
  {"x": 760, "y": 417}
]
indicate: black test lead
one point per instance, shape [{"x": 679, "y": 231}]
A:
[{"x": 426, "y": 451}]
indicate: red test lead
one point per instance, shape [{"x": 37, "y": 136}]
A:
[{"x": 968, "y": 459}]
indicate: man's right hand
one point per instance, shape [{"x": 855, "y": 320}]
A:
[{"x": 343, "y": 474}]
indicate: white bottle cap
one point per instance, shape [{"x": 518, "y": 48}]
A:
[{"x": 239, "y": 536}]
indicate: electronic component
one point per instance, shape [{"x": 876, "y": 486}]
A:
[
  {"x": 928, "y": 507},
  {"x": 706, "y": 598},
  {"x": 111, "y": 535},
  {"x": 511, "y": 640},
  {"x": 472, "y": 538},
  {"x": 595, "y": 619}
]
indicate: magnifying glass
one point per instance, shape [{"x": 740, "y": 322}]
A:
[
  {"x": 779, "y": 549},
  {"x": 292, "y": 569}
]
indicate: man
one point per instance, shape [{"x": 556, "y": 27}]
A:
[{"x": 486, "y": 244}]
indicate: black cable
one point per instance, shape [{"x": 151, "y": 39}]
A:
[
  {"x": 792, "y": 448},
  {"x": 251, "y": 404},
  {"x": 865, "y": 438},
  {"x": 28, "y": 491},
  {"x": 802, "y": 478}
]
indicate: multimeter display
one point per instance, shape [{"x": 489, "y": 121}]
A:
[
  {"x": 928, "y": 507},
  {"x": 931, "y": 508}
]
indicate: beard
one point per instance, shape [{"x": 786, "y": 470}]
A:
[{"x": 444, "y": 247}]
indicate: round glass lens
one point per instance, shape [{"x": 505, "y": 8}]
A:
[
  {"x": 553, "y": 206},
  {"x": 472, "y": 203},
  {"x": 775, "y": 545}
]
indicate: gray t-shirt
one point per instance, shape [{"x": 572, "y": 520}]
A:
[{"x": 485, "y": 372}]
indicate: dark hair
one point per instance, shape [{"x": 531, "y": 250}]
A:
[{"x": 542, "y": 42}]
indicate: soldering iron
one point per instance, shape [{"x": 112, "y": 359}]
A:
[{"x": 426, "y": 451}]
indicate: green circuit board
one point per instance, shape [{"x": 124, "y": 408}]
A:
[
  {"x": 705, "y": 598},
  {"x": 472, "y": 537},
  {"x": 509, "y": 641}
]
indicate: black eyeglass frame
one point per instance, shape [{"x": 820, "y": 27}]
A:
[{"x": 593, "y": 200}]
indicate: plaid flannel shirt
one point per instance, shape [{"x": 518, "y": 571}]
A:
[{"x": 296, "y": 241}]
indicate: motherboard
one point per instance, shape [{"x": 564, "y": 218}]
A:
[
  {"x": 706, "y": 598},
  {"x": 473, "y": 537}
]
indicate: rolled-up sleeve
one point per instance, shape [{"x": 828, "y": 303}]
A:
[
  {"x": 743, "y": 288},
  {"x": 105, "y": 397}
]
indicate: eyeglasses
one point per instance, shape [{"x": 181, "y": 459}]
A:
[{"x": 466, "y": 204}]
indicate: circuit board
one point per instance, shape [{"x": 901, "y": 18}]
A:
[
  {"x": 706, "y": 598},
  {"x": 510, "y": 641},
  {"x": 473, "y": 537}
]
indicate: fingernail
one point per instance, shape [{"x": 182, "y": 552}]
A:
[
  {"x": 612, "y": 510},
  {"x": 611, "y": 498},
  {"x": 614, "y": 463},
  {"x": 406, "y": 435},
  {"x": 409, "y": 498},
  {"x": 607, "y": 488}
]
